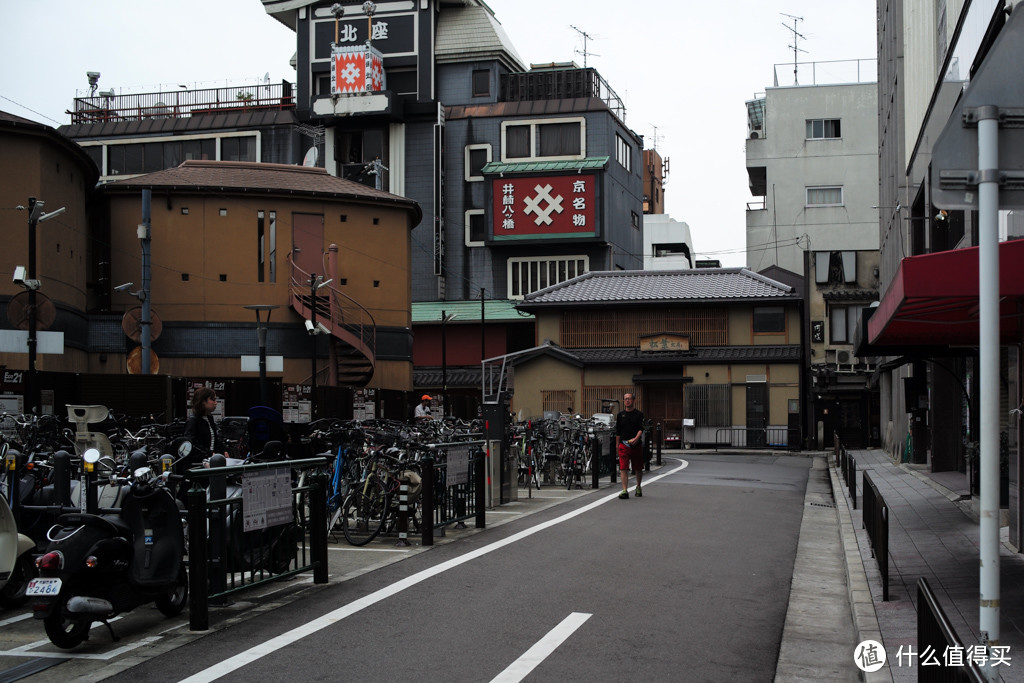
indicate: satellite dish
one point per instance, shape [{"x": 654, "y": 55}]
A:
[
  {"x": 135, "y": 362},
  {"x": 131, "y": 323},
  {"x": 17, "y": 311},
  {"x": 312, "y": 157}
]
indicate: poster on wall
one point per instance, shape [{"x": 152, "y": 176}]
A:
[
  {"x": 295, "y": 403},
  {"x": 364, "y": 404},
  {"x": 544, "y": 208}
]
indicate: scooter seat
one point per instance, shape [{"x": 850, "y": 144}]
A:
[{"x": 109, "y": 523}]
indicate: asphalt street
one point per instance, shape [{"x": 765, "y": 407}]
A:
[{"x": 693, "y": 577}]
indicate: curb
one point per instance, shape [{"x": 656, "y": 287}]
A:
[{"x": 862, "y": 607}]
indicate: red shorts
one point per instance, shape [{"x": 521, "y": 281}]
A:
[{"x": 631, "y": 455}]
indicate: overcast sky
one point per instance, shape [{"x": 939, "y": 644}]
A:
[{"x": 684, "y": 68}]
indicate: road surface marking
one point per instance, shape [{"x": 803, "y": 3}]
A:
[
  {"x": 285, "y": 639},
  {"x": 542, "y": 649}
]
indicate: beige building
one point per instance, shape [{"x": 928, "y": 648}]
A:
[{"x": 713, "y": 354}]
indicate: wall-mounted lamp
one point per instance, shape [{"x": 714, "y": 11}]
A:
[{"x": 942, "y": 215}]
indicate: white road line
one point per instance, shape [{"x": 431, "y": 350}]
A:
[
  {"x": 28, "y": 650},
  {"x": 355, "y": 549},
  {"x": 285, "y": 639},
  {"x": 542, "y": 649},
  {"x": 12, "y": 620}
]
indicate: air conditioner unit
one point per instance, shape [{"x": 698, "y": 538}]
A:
[
  {"x": 756, "y": 133},
  {"x": 844, "y": 358}
]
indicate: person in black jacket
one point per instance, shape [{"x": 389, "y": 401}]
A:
[{"x": 200, "y": 428}]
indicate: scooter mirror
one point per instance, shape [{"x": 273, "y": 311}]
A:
[
  {"x": 91, "y": 456},
  {"x": 184, "y": 449}
]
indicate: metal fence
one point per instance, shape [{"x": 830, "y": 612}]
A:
[
  {"x": 453, "y": 487},
  {"x": 757, "y": 437},
  {"x": 876, "y": 523},
  {"x": 252, "y": 534},
  {"x": 935, "y": 632}
]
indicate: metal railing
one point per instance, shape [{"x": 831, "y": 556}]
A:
[
  {"x": 232, "y": 548},
  {"x": 342, "y": 311},
  {"x": 757, "y": 437},
  {"x": 559, "y": 84},
  {"x": 182, "y": 103},
  {"x": 876, "y": 523},
  {"x": 847, "y": 467},
  {"x": 934, "y": 631},
  {"x": 453, "y": 487}
]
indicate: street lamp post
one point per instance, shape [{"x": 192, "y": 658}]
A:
[
  {"x": 261, "y": 338},
  {"x": 445, "y": 319},
  {"x": 35, "y": 216}
]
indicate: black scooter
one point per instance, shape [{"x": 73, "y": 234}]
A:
[{"x": 97, "y": 566}]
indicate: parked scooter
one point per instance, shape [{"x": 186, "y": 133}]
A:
[
  {"x": 97, "y": 566},
  {"x": 17, "y": 564}
]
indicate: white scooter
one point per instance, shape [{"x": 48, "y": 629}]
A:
[{"x": 17, "y": 564}]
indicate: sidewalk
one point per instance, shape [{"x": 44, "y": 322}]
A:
[{"x": 933, "y": 533}]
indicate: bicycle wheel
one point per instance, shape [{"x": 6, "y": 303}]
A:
[{"x": 363, "y": 513}]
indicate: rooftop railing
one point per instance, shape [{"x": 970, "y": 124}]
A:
[
  {"x": 182, "y": 103},
  {"x": 838, "y": 72},
  {"x": 559, "y": 84}
]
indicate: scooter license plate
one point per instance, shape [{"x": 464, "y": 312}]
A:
[{"x": 45, "y": 587}]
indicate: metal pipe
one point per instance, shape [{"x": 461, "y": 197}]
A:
[
  {"x": 988, "y": 347},
  {"x": 144, "y": 238}
]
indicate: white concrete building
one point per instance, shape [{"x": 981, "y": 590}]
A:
[
  {"x": 667, "y": 243},
  {"x": 812, "y": 161}
]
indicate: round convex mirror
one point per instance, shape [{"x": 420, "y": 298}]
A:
[{"x": 91, "y": 456}]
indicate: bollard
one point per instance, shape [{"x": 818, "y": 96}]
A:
[
  {"x": 659, "y": 437},
  {"x": 481, "y": 521},
  {"x": 403, "y": 512},
  {"x": 198, "y": 585},
  {"x": 13, "y": 464},
  {"x": 428, "y": 500},
  {"x": 613, "y": 461},
  {"x": 218, "y": 517},
  {"x": 318, "y": 522},
  {"x": 647, "y": 449},
  {"x": 595, "y": 462}
]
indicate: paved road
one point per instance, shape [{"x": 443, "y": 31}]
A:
[{"x": 689, "y": 582}]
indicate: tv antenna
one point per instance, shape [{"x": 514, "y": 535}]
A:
[
  {"x": 655, "y": 138},
  {"x": 797, "y": 36},
  {"x": 586, "y": 37}
]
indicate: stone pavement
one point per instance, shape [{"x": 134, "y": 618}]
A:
[{"x": 933, "y": 533}]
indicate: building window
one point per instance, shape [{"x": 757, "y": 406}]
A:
[
  {"x": 133, "y": 158},
  {"x": 238, "y": 149},
  {"x": 842, "y": 323},
  {"x": 634, "y": 219},
  {"x": 272, "y": 246},
  {"x": 476, "y": 228},
  {"x": 261, "y": 256},
  {"x": 769, "y": 319},
  {"x": 544, "y": 139},
  {"x": 623, "y": 153},
  {"x": 481, "y": 83},
  {"x": 825, "y": 196},
  {"x": 526, "y": 275},
  {"x": 707, "y": 404},
  {"x": 476, "y": 157},
  {"x": 823, "y": 129}
]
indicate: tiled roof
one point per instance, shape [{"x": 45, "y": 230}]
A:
[
  {"x": 759, "y": 353},
  {"x": 178, "y": 125},
  {"x": 638, "y": 286},
  {"x": 466, "y": 34},
  {"x": 252, "y": 178},
  {"x": 589, "y": 163},
  {"x": 426, "y": 312}
]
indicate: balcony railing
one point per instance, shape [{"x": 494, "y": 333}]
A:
[
  {"x": 836, "y": 72},
  {"x": 182, "y": 103}
]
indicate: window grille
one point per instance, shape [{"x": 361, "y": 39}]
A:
[
  {"x": 562, "y": 400},
  {"x": 619, "y": 329},
  {"x": 708, "y": 405},
  {"x": 526, "y": 275}
]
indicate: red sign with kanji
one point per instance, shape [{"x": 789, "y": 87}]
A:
[{"x": 556, "y": 206}]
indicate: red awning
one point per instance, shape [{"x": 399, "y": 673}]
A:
[{"x": 933, "y": 300}]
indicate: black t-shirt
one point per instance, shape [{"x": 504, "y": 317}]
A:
[{"x": 628, "y": 423}]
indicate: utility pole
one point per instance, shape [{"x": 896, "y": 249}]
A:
[
  {"x": 35, "y": 210},
  {"x": 144, "y": 233},
  {"x": 313, "y": 281}
]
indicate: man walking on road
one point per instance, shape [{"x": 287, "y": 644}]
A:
[{"x": 629, "y": 429}]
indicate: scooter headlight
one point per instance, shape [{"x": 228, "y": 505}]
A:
[{"x": 144, "y": 475}]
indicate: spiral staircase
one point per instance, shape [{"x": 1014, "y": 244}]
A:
[{"x": 353, "y": 332}]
